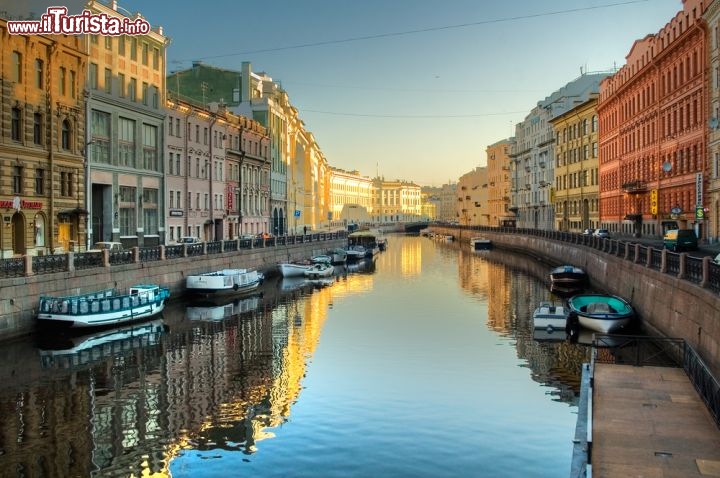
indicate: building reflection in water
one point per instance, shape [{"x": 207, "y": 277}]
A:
[{"x": 128, "y": 406}]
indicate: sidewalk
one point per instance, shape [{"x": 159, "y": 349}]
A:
[{"x": 704, "y": 249}]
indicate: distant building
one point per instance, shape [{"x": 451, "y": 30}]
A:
[
  {"x": 654, "y": 165},
  {"x": 42, "y": 145},
  {"x": 712, "y": 222},
  {"x": 444, "y": 198},
  {"x": 497, "y": 211},
  {"x": 472, "y": 207},
  {"x": 396, "y": 201},
  {"x": 351, "y": 198}
]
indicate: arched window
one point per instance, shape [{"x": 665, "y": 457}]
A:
[{"x": 65, "y": 135}]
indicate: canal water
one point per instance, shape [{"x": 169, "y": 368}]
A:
[{"x": 420, "y": 364}]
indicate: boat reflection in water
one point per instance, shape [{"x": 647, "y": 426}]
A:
[
  {"x": 219, "y": 310},
  {"x": 74, "y": 350}
]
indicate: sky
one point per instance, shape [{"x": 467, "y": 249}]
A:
[{"x": 408, "y": 89}]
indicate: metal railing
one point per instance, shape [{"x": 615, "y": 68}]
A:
[{"x": 20, "y": 266}]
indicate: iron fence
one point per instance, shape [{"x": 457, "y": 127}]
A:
[
  {"x": 656, "y": 259},
  {"x": 51, "y": 263},
  {"x": 148, "y": 254},
  {"x": 88, "y": 260},
  {"x": 693, "y": 269},
  {"x": 173, "y": 252}
]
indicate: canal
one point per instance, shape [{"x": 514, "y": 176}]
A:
[{"x": 422, "y": 364}]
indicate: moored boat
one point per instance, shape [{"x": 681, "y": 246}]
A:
[
  {"x": 223, "y": 282},
  {"x": 104, "y": 308},
  {"x": 568, "y": 276},
  {"x": 550, "y": 315},
  {"x": 366, "y": 239},
  {"x": 601, "y": 313},
  {"x": 319, "y": 270},
  {"x": 292, "y": 269},
  {"x": 480, "y": 244},
  {"x": 337, "y": 256}
]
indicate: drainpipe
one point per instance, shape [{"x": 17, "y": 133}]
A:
[{"x": 210, "y": 179}]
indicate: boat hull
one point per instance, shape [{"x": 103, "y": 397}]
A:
[
  {"x": 480, "y": 244},
  {"x": 224, "y": 282},
  {"x": 568, "y": 276},
  {"x": 550, "y": 316},
  {"x": 292, "y": 270},
  {"x": 601, "y": 313},
  {"x": 100, "y": 313}
]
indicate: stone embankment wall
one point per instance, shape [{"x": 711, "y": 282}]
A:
[
  {"x": 667, "y": 305},
  {"x": 19, "y": 297}
]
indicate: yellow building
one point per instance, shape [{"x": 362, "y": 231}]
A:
[
  {"x": 576, "y": 188},
  {"x": 498, "y": 174},
  {"x": 42, "y": 189},
  {"x": 472, "y": 208},
  {"x": 396, "y": 201},
  {"x": 350, "y": 198}
]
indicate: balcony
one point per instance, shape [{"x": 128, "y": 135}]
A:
[{"x": 635, "y": 187}]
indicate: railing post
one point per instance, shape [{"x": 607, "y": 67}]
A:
[
  {"x": 636, "y": 252},
  {"x": 28, "y": 265},
  {"x": 681, "y": 272},
  {"x": 185, "y": 248},
  {"x": 136, "y": 254},
  {"x": 705, "y": 271},
  {"x": 222, "y": 246},
  {"x": 648, "y": 259},
  {"x": 663, "y": 261},
  {"x": 71, "y": 261},
  {"x": 204, "y": 248},
  {"x": 106, "y": 258},
  {"x": 162, "y": 252}
]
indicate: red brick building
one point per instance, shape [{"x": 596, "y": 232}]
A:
[{"x": 653, "y": 130}]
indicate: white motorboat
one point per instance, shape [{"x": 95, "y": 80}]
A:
[
  {"x": 568, "y": 276},
  {"x": 292, "y": 269},
  {"x": 319, "y": 270},
  {"x": 224, "y": 282},
  {"x": 103, "y": 309},
  {"x": 550, "y": 316}
]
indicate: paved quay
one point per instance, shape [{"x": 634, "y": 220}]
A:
[{"x": 650, "y": 422}]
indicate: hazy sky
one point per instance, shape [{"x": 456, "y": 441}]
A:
[{"x": 414, "y": 89}]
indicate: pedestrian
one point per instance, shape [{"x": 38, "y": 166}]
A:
[{"x": 304, "y": 230}]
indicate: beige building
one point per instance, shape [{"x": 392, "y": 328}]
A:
[
  {"x": 396, "y": 201},
  {"x": 42, "y": 187},
  {"x": 497, "y": 212},
  {"x": 350, "y": 198},
  {"x": 472, "y": 207},
  {"x": 428, "y": 207},
  {"x": 576, "y": 189}
]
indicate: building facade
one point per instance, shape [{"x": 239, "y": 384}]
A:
[
  {"x": 125, "y": 82},
  {"x": 351, "y": 198},
  {"x": 576, "y": 193},
  {"x": 653, "y": 113},
  {"x": 42, "y": 190},
  {"x": 712, "y": 219},
  {"x": 472, "y": 207},
  {"x": 395, "y": 201},
  {"x": 498, "y": 172}
]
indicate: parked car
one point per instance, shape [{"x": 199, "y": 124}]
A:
[
  {"x": 109, "y": 245},
  {"x": 189, "y": 240},
  {"x": 680, "y": 240},
  {"x": 264, "y": 235},
  {"x": 717, "y": 259},
  {"x": 604, "y": 233},
  {"x": 589, "y": 231}
]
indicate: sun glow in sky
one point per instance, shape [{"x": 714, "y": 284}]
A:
[{"x": 409, "y": 89}]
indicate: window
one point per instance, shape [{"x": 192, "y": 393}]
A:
[
  {"x": 17, "y": 180},
  {"x": 150, "y": 210},
  {"x": 126, "y": 142},
  {"x": 73, "y": 84},
  {"x": 15, "y": 125},
  {"x": 100, "y": 130},
  {"x": 108, "y": 80},
  {"x": 16, "y": 67},
  {"x": 178, "y": 200},
  {"x": 205, "y": 136},
  {"x": 39, "y": 182},
  {"x": 156, "y": 59},
  {"x": 132, "y": 91},
  {"x": 145, "y": 54},
  {"x": 121, "y": 84},
  {"x": 150, "y": 156},
  {"x": 37, "y": 128},
  {"x": 197, "y": 133},
  {"x": 171, "y": 162},
  {"x": 121, "y": 45},
  {"x": 108, "y": 42},
  {"x": 93, "y": 72},
  {"x": 133, "y": 48},
  {"x": 155, "y": 103},
  {"x": 126, "y": 211},
  {"x": 61, "y": 80},
  {"x": 177, "y": 164},
  {"x": 65, "y": 135},
  {"x": 172, "y": 199},
  {"x": 39, "y": 73},
  {"x": 177, "y": 127},
  {"x": 66, "y": 184},
  {"x": 144, "y": 93}
]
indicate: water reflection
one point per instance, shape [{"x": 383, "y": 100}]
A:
[{"x": 214, "y": 380}]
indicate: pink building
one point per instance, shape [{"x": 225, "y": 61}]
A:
[{"x": 653, "y": 136}]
